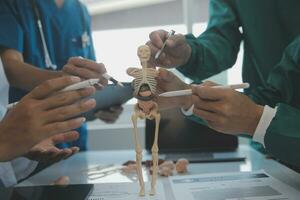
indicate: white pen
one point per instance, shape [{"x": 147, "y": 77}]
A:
[
  {"x": 110, "y": 78},
  {"x": 76, "y": 86},
  {"x": 172, "y": 32},
  {"x": 188, "y": 92},
  {"x": 81, "y": 85}
]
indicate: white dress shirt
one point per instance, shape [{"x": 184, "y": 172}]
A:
[
  {"x": 263, "y": 124},
  {"x": 19, "y": 168}
]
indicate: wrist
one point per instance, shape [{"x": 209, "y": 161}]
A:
[
  {"x": 187, "y": 54},
  {"x": 254, "y": 119},
  {"x": 186, "y": 101}
]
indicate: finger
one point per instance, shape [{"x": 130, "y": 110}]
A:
[
  {"x": 109, "y": 120},
  {"x": 117, "y": 109},
  {"x": 209, "y": 93},
  {"x": 163, "y": 60},
  {"x": 65, "y": 153},
  {"x": 61, "y": 127},
  {"x": 107, "y": 116},
  {"x": 103, "y": 81},
  {"x": 72, "y": 151},
  {"x": 85, "y": 63},
  {"x": 207, "y": 105},
  {"x": 60, "y": 156},
  {"x": 84, "y": 73},
  {"x": 158, "y": 37},
  {"x": 165, "y": 75},
  {"x": 67, "y": 98},
  {"x": 64, "y": 180},
  {"x": 207, "y": 116},
  {"x": 50, "y": 155},
  {"x": 67, "y": 112},
  {"x": 65, "y": 137},
  {"x": 53, "y": 85},
  {"x": 175, "y": 41},
  {"x": 75, "y": 149},
  {"x": 153, "y": 48},
  {"x": 209, "y": 84}
]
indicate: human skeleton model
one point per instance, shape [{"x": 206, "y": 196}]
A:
[{"x": 144, "y": 90}]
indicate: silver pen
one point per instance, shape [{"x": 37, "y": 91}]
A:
[{"x": 171, "y": 33}]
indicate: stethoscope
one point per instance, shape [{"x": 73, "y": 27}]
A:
[{"x": 85, "y": 39}]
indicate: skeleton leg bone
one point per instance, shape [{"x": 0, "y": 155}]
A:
[
  {"x": 155, "y": 154},
  {"x": 138, "y": 150}
]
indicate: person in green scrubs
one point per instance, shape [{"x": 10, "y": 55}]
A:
[
  {"x": 273, "y": 122},
  {"x": 266, "y": 29}
]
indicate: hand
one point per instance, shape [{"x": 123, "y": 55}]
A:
[
  {"x": 109, "y": 115},
  {"x": 43, "y": 113},
  {"x": 176, "y": 52},
  {"x": 226, "y": 110},
  {"x": 61, "y": 181},
  {"x": 85, "y": 69},
  {"x": 47, "y": 152},
  {"x": 167, "y": 81}
]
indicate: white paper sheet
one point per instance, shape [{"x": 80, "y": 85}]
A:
[
  {"x": 125, "y": 191},
  {"x": 256, "y": 185}
]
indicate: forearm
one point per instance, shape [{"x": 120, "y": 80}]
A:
[
  {"x": 22, "y": 75},
  {"x": 7, "y": 146},
  {"x": 283, "y": 81},
  {"x": 216, "y": 49}
]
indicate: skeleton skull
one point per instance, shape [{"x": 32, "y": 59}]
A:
[{"x": 144, "y": 53}]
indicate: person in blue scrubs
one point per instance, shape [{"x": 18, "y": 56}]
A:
[{"x": 66, "y": 33}]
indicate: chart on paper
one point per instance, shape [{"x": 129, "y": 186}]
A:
[
  {"x": 232, "y": 186},
  {"x": 125, "y": 191}
]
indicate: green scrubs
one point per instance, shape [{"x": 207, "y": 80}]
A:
[
  {"x": 282, "y": 138},
  {"x": 266, "y": 28}
]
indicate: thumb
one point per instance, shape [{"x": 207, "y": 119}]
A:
[{"x": 65, "y": 137}]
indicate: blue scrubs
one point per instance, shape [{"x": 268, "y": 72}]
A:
[{"x": 63, "y": 28}]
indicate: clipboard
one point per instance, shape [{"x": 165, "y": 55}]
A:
[{"x": 111, "y": 95}]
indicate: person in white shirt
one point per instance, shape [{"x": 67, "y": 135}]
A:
[{"x": 40, "y": 120}]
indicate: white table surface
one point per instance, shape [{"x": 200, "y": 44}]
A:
[{"x": 76, "y": 168}]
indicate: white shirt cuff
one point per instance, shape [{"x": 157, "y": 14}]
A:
[
  {"x": 264, "y": 122},
  {"x": 23, "y": 167},
  {"x": 4, "y": 87},
  {"x": 188, "y": 112}
]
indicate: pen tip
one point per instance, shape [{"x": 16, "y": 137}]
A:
[
  {"x": 157, "y": 55},
  {"x": 120, "y": 84}
]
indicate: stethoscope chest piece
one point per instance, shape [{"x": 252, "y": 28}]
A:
[{"x": 85, "y": 39}]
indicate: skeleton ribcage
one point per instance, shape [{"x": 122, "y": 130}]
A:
[{"x": 144, "y": 76}]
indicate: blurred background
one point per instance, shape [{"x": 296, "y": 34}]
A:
[{"x": 119, "y": 27}]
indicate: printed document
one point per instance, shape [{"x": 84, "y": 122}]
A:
[
  {"x": 232, "y": 186},
  {"x": 125, "y": 191}
]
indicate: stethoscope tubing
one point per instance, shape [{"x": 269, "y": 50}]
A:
[{"x": 48, "y": 61}]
